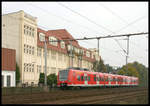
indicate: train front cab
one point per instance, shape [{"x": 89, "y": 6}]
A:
[{"x": 62, "y": 78}]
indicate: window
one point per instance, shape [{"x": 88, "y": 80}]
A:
[
  {"x": 85, "y": 78},
  {"x": 82, "y": 78},
  {"x": 62, "y": 44},
  {"x": 51, "y": 39},
  {"x": 32, "y": 67},
  {"x": 8, "y": 81},
  {"x": 102, "y": 78},
  {"x": 97, "y": 78},
  {"x": 32, "y": 50},
  {"x": 87, "y": 54},
  {"x": 94, "y": 77},
  {"x": 2, "y": 80},
  {"x": 88, "y": 78},
  {"x": 78, "y": 77},
  {"x": 41, "y": 36},
  {"x": 24, "y": 48},
  {"x": 27, "y": 67},
  {"x": 106, "y": 78},
  {"x": 27, "y": 48}
]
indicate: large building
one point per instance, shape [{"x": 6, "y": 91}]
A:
[
  {"x": 8, "y": 77},
  {"x": 20, "y": 32}
]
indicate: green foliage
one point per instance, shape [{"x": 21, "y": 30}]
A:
[
  {"x": 17, "y": 74},
  {"x": 41, "y": 78},
  {"x": 52, "y": 79},
  {"x": 121, "y": 72},
  {"x": 129, "y": 70},
  {"x": 136, "y": 69},
  {"x": 98, "y": 66}
]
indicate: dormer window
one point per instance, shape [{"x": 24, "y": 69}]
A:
[
  {"x": 51, "y": 39},
  {"x": 41, "y": 36},
  {"x": 62, "y": 44},
  {"x": 87, "y": 54}
]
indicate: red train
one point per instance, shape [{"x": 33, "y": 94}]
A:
[{"x": 84, "y": 78}]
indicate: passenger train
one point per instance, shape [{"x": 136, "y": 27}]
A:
[{"x": 78, "y": 77}]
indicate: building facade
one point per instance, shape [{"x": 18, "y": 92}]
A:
[
  {"x": 8, "y": 77},
  {"x": 20, "y": 32}
]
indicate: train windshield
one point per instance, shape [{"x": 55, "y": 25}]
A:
[{"x": 63, "y": 75}]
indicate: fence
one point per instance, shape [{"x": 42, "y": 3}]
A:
[{"x": 25, "y": 90}]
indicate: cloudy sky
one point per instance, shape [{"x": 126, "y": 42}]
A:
[{"x": 91, "y": 19}]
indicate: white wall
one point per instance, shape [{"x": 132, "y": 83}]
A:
[{"x": 13, "y": 78}]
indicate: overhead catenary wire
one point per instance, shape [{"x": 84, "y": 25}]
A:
[
  {"x": 93, "y": 23},
  {"x": 102, "y": 37}
]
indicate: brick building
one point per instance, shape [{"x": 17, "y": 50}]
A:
[{"x": 8, "y": 67}]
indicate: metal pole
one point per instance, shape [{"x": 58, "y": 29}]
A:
[
  {"x": 45, "y": 49},
  {"x": 71, "y": 57},
  {"x": 98, "y": 45},
  {"x": 127, "y": 50}
]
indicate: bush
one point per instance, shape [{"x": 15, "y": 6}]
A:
[{"x": 52, "y": 80}]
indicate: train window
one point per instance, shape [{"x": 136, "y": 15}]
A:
[
  {"x": 109, "y": 79},
  {"x": 85, "y": 78},
  {"x": 102, "y": 78},
  {"x": 78, "y": 77},
  {"x": 81, "y": 78},
  {"x": 94, "y": 77},
  {"x": 106, "y": 78},
  {"x": 88, "y": 78},
  {"x": 63, "y": 75},
  {"x": 97, "y": 78}
]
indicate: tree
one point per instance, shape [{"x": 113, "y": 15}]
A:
[
  {"x": 109, "y": 68},
  {"x": 52, "y": 79},
  {"x": 128, "y": 70},
  {"x": 98, "y": 66},
  {"x": 41, "y": 78},
  {"x": 138, "y": 70},
  {"x": 143, "y": 73},
  {"x": 17, "y": 74}
]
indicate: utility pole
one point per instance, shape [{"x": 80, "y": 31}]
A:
[
  {"x": 45, "y": 49},
  {"x": 127, "y": 50},
  {"x": 98, "y": 45},
  {"x": 71, "y": 55}
]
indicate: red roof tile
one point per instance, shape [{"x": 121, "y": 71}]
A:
[{"x": 61, "y": 34}]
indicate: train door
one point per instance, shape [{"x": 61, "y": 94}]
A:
[
  {"x": 109, "y": 80},
  {"x": 97, "y": 79},
  {"x": 85, "y": 79}
]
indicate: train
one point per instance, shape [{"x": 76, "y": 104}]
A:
[{"x": 79, "y": 77}]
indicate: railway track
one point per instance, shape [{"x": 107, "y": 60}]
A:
[
  {"x": 100, "y": 99},
  {"x": 88, "y": 96}
]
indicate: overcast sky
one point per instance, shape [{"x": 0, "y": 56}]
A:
[{"x": 91, "y": 19}]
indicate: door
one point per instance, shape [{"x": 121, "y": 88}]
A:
[
  {"x": 97, "y": 79},
  {"x": 85, "y": 79}
]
